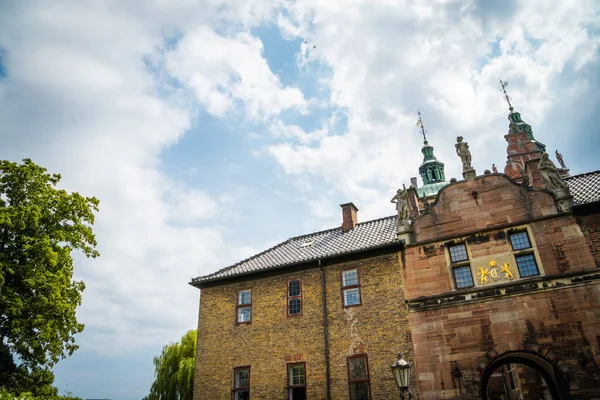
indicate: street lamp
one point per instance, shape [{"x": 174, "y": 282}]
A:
[{"x": 401, "y": 370}]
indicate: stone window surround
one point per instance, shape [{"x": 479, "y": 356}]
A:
[
  {"x": 458, "y": 264},
  {"x": 351, "y": 381},
  {"x": 238, "y": 306},
  {"x": 294, "y": 297},
  {"x": 235, "y": 389},
  {"x": 344, "y": 288},
  {"x": 507, "y": 231}
]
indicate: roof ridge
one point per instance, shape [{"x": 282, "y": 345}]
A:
[
  {"x": 338, "y": 228},
  {"x": 582, "y": 174},
  {"x": 222, "y": 270},
  {"x": 247, "y": 259}
]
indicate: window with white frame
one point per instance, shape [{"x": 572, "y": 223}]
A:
[
  {"x": 350, "y": 288},
  {"x": 244, "y": 307},
  {"x": 297, "y": 381},
  {"x": 241, "y": 383},
  {"x": 294, "y": 299}
]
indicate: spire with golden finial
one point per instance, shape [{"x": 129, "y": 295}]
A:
[
  {"x": 504, "y": 84},
  {"x": 420, "y": 123}
]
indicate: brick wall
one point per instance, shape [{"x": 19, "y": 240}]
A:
[{"x": 378, "y": 328}]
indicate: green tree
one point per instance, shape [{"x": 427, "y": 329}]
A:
[
  {"x": 40, "y": 226},
  {"x": 174, "y": 370}
]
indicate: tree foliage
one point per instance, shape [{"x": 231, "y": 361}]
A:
[
  {"x": 174, "y": 370},
  {"x": 40, "y": 226}
]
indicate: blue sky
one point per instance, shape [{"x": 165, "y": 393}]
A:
[{"x": 210, "y": 130}]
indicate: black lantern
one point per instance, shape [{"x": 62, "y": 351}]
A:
[{"x": 401, "y": 370}]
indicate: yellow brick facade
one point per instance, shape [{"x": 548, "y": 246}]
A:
[{"x": 377, "y": 328}]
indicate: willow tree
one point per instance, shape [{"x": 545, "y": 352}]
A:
[
  {"x": 40, "y": 227},
  {"x": 174, "y": 370}
]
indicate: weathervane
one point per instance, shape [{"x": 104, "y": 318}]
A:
[
  {"x": 420, "y": 123},
  {"x": 504, "y": 85}
]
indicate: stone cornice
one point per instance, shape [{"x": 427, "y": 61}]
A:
[{"x": 521, "y": 287}]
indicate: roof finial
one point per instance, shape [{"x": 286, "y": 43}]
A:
[
  {"x": 504, "y": 85},
  {"x": 420, "y": 123}
]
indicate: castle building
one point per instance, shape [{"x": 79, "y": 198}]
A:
[{"x": 489, "y": 286}]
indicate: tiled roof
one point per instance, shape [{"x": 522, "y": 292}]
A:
[
  {"x": 318, "y": 245},
  {"x": 585, "y": 188}
]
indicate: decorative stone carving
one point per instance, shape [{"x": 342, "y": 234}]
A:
[
  {"x": 494, "y": 169},
  {"x": 550, "y": 175},
  {"x": 462, "y": 150},
  {"x": 402, "y": 204},
  {"x": 559, "y": 157}
]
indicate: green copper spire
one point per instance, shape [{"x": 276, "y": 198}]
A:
[
  {"x": 516, "y": 123},
  {"x": 431, "y": 170}
]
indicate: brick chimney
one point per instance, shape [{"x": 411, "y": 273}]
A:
[{"x": 349, "y": 218}]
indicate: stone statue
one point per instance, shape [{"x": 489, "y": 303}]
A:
[
  {"x": 494, "y": 169},
  {"x": 462, "y": 150},
  {"x": 401, "y": 200},
  {"x": 549, "y": 174},
  {"x": 559, "y": 157}
]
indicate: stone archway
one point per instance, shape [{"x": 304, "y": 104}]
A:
[{"x": 546, "y": 366}]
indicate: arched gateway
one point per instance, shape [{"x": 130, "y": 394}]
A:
[{"x": 519, "y": 374}]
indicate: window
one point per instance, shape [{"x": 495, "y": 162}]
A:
[
  {"x": 461, "y": 269},
  {"x": 523, "y": 254},
  {"x": 244, "y": 307},
  {"x": 296, "y": 381},
  {"x": 294, "y": 297},
  {"x": 241, "y": 383},
  {"x": 350, "y": 288},
  {"x": 358, "y": 378}
]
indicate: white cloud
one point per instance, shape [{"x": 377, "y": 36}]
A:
[
  {"x": 221, "y": 70},
  {"x": 388, "y": 60},
  {"x": 80, "y": 100}
]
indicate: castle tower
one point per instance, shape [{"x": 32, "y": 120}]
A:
[
  {"x": 523, "y": 150},
  {"x": 431, "y": 171}
]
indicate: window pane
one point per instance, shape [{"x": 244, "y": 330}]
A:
[
  {"x": 241, "y": 378},
  {"x": 245, "y": 297},
  {"x": 463, "y": 277},
  {"x": 520, "y": 241},
  {"x": 294, "y": 288},
  {"x": 294, "y": 306},
  {"x": 297, "y": 374},
  {"x": 358, "y": 368},
  {"x": 351, "y": 297},
  {"x": 458, "y": 253},
  {"x": 244, "y": 314},
  {"x": 527, "y": 265},
  {"x": 350, "y": 278},
  {"x": 359, "y": 391},
  {"x": 245, "y": 395}
]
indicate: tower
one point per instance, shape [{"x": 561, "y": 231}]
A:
[
  {"x": 431, "y": 170},
  {"x": 523, "y": 151}
]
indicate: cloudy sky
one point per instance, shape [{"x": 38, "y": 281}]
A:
[{"x": 211, "y": 129}]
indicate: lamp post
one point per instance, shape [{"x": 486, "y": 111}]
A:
[{"x": 401, "y": 370}]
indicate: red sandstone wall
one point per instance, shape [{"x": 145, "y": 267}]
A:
[
  {"x": 565, "y": 322},
  {"x": 498, "y": 203}
]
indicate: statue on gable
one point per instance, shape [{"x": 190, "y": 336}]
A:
[
  {"x": 462, "y": 150},
  {"x": 560, "y": 159},
  {"x": 402, "y": 204},
  {"x": 549, "y": 174}
]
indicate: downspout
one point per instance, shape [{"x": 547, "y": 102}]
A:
[{"x": 325, "y": 330}]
